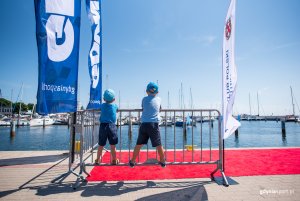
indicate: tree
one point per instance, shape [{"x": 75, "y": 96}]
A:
[
  {"x": 30, "y": 106},
  {"x": 5, "y": 102},
  {"x": 16, "y": 107}
]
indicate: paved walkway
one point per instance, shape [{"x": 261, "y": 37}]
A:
[{"x": 27, "y": 176}]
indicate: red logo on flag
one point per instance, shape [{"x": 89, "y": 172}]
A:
[{"x": 228, "y": 29}]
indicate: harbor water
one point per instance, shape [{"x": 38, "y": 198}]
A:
[{"x": 251, "y": 134}]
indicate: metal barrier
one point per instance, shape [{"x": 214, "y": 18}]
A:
[{"x": 181, "y": 132}]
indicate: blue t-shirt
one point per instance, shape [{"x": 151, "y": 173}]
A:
[
  {"x": 151, "y": 107},
  {"x": 108, "y": 113}
]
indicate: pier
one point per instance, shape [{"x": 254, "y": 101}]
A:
[{"x": 28, "y": 174}]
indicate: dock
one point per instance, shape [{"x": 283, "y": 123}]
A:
[{"x": 27, "y": 175}]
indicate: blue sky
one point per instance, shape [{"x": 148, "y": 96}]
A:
[{"x": 172, "y": 42}]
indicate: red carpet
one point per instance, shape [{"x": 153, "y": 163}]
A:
[{"x": 237, "y": 163}]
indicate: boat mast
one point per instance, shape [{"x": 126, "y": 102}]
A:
[
  {"x": 11, "y": 105},
  {"x": 292, "y": 101},
  {"x": 257, "y": 105},
  {"x": 181, "y": 96},
  {"x": 168, "y": 100},
  {"x": 191, "y": 96},
  {"x": 250, "y": 104},
  {"x": 20, "y": 107}
]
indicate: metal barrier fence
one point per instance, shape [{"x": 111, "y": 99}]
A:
[{"x": 189, "y": 132}]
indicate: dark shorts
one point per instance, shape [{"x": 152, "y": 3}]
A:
[
  {"x": 149, "y": 130},
  {"x": 108, "y": 131}
]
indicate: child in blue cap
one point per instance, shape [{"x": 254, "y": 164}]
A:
[
  {"x": 108, "y": 129},
  {"x": 149, "y": 128}
]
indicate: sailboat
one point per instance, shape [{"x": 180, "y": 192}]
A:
[
  {"x": 40, "y": 120},
  {"x": 292, "y": 118},
  {"x": 250, "y": 117},
  {"x": 21, "y": 119},
  {"x": 258, "y": 118},
  {"x": 4, "y": 120}
]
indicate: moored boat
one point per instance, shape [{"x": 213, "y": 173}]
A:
[{"x": 41, "y": 121}]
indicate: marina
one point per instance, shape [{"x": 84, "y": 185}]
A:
[{"x": 251, "y": 134}]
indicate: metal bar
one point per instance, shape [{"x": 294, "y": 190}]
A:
[
  {"x": 139, "y": 131},
  {"x": 156, "y": 163},
  {"x": 81, "y": 139},
  {"x": 209, "y": 135},
  {"x": 166, "y": 135},
  {"x": 201, "y": 123},
  {"x": 120, "y": 127},
  {"x": 129, "y": 137},
  {"x": 147, "y": 151},
  {"x": 183, "y": 129},
  {"x": 73, "y": 132},
  {"x": 174, "y": 118},
  {"x": 192, "y": 136}
]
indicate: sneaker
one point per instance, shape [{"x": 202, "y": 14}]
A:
[
  {"x": 115, "y": 162},
  {"x": 131, "y": 164},
  {"x": 97, "y": 162},
  {"x": 163, "y": 164}
]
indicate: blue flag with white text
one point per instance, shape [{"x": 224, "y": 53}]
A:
[
  {"x": 57, "y": 34},
  {"x": 93, "y": 8}
]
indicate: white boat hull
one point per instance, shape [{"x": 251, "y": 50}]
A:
[
  {"x": 4, "y": 123},
  {"x": 40, "y": 122}
]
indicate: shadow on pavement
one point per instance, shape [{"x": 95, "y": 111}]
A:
[
  {"x": 196, "y": 193},
  {"x": 31, "y": 160},
  {"x": 191, "y": 190}
]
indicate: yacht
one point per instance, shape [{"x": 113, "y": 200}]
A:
[
  {"x": 40, "y": 121},
  {"x": 4, "y": 121}
]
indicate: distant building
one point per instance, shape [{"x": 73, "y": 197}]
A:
[
  {"x": 0, "y": 94},
  {"x": 5, "y": 110}
]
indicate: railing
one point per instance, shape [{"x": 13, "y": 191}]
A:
[{"x": 188, "y": 137}]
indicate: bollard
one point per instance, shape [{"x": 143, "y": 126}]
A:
[
  {"x": 184, "y": 128},
  {"x": 12, "y": 129},
  {"x": 44, "y": 124},
  {"x": 283, "y": 127},
  {"x": 236, "y": 133},
  {"x": 130, "y": 128}
]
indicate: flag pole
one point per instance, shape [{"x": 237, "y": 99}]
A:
[{"x": 223, "y": 156}]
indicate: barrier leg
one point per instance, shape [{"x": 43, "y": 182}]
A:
[
  {"x": 212, "y": 174},
  {"x": 80, "y": 177},
  {"x": 84, "y": 170},
  {"x": 225, "y": 182}
]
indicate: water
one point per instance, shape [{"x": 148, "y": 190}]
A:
[{"x": 251, "y": 134}]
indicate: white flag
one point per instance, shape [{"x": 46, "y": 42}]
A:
[{"x": 230, "y": 124}]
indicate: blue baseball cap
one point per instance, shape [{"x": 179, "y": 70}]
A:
[
  {"x": 109, "y": 95},
  {"x": 152, "y": 88}
]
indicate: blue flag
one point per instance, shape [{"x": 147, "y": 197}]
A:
[
  {"x": 57, "y": 34},
  {"x": 93, "y": 8}
]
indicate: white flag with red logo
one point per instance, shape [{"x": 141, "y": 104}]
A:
[{"x": 230, "y": 124}]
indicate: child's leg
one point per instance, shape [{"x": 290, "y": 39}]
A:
[
  {"x": 99, "y": 154},
  {"x": 113, "y": 152},
  {"x": 161, "y": 154},
  {"x": 136, "y": 152}
]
